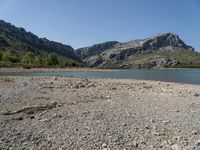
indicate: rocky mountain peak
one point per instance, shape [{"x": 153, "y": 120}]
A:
[
  {"x": 116, "y": 53},
  {"x": 166, "y": 39},
  {"x": 95, "y": 49}
]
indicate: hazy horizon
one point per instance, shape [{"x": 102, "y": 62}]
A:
[{"x": 84, "y": 23}]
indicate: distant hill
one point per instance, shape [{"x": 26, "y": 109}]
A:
[
  {"x": 163, "y": 50},
  {"x": 17, "y": 42},
  {"x": 21, "y": 48}
]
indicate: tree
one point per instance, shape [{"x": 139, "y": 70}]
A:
[
  {"x": 0, "y": 56},
  {"x": 39, "y": 60},
  {"x": 9, "y": 56},
  {"x": 53, "y": 59},
  {"x": 6, "y": 56},
  {"x": 28, "y": 58}
]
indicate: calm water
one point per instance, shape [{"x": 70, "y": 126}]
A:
[{"x": 191, "y": 76}]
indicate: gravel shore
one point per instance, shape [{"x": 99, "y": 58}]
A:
[{"x": 98, "y": 114}]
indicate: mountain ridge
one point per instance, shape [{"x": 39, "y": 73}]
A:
[
  {"x": 34, "y": 41},
  {"x": 21, "y": 48},
  {"x": 161, "y": 50},
  {"x": 121, "y": 51}
]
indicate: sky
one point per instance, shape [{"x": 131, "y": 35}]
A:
[{"x": 81, "y": 23}]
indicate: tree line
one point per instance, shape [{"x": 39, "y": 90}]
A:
[{"x": 30, "y": 59}]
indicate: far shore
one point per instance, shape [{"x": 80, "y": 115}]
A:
[
  {"x": 10, "y": 70},
  {"x": 21, "y": 69}
]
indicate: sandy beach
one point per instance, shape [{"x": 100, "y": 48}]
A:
[{"x": 69, "y": 113}]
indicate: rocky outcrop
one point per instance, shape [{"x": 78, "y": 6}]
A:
[
  {"x": 15, "y": 38},
  {"x": 95, "y": 49},
  {"x": 119, "y": 52},
  {"x": 153, "y": 63}
]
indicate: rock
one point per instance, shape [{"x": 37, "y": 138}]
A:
[
  {"x": 197, "y": 143},
  {"x": 32, "y": 117},
  {"x": 135, "y": 144},
  {"x": 105, "y": 146},
  {"x": 19, "y": 118},
  {"x": 196, "y": 95},
  {"x": 175, "y": 147},
  {"x": 108, "y": 97},
  {"x": 170, "y": 142},
  {"x": 152, "y": 121},
  {"x": 166, "y": 122},
  {"x": 94, "y": 50},
  {"x": 147, "y": 127},
  {"x": 194, "y": 132},
  {"x": 44, "y": 120}
]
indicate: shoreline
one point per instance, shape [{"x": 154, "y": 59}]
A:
[
  {"x": 11, "y": 70},
  {"x": 20, "y": 69}
]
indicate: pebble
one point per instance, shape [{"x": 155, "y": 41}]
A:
[
  {"x": 105, "y": 146},
  {"x": 197, "y": 143},
  {"x": 194, "y": 132},
  {"x": 135, "y": 144},
  {"x": 166, "y": 122},
  {"x": 175, "y": 147}
]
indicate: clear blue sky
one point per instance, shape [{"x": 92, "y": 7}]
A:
[{"x": 85, "y": 22}]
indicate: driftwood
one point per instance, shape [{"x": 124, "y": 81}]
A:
[{"x": 30, "y": 110}]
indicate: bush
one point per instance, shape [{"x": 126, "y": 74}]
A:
[
  {"x": 52, "y": 59},
  {"x": 0, "y": 56},
  {"x": 8, "y": 56},
  {"x": 28, "y": 58}
]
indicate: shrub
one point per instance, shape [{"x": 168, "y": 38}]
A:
[
  {"x": 9, "y": 56},
  {"x": 0, "y": 56},
  {"x": 52, "y": 59},
  {"x": 28, "y": 58}
]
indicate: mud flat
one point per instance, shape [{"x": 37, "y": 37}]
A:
[{"x": 103, "y": 114}]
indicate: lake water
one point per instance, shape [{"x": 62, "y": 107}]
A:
[{"x": 191, "y": 76}]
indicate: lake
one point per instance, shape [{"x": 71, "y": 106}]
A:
[{"x": 191, "y": 76}]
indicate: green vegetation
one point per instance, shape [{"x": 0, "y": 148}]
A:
[
  {"x": 186, "y": 58},
  {"x": 30, "y": 59}
]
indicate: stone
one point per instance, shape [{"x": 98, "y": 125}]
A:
[
  {"x": 105, "y": 146},
  {"x": 135, "y": 144},
  {"x": 197, "y": 143},
  {"x": 175, "y": 147},
  {"x": 166, "y": 122}
]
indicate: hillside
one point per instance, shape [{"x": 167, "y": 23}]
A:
[
  {"x": 163, "y": 50},
  {"x": 21, "y": 48},
  {"x": 16, "y": 44}
]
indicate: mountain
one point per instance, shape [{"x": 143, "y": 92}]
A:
[
  {"x": 21, "y": 48},
  {"x": 18, "y": 41},
  {"x": 97, "y": 49},
  {"x": 163, "y": 50}
]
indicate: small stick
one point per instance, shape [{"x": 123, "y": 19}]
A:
[{"x": 36, "y": 108}]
